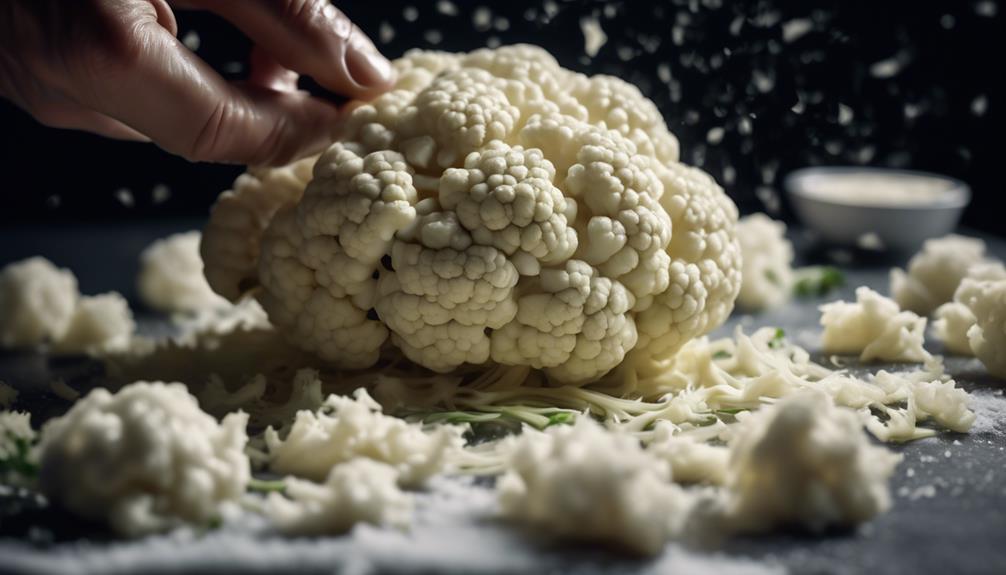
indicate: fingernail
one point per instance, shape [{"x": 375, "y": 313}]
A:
[{"x": 368, "y": 67}]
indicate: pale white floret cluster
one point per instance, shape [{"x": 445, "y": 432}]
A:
[
  {"x": 346, "y": 428},
  {"x": 492, "y": 208},
  {"x": 144, "y": 459},
  {"x": 986, "y": 300},
  {"x": 767, "y": 273},
  {"x": 874, "y": 328},
  {"x": 934, "y": 273},
  {"x": 40, "y": 304},
  {"x": 171, "y": 276}
]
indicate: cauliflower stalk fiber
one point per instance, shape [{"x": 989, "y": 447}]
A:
[{"x": 492, "y": 208}]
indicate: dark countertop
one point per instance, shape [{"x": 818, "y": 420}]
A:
[{"x": 949, "y": 493}]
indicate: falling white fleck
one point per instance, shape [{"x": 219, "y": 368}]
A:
[
  {"x": 744, "y": 126},
  {"x": 794, "y": 29},
  {"x": 125, "y": 197},
  {"x": 625, "y": 53},
  {"x": 664, "y": 72},
  {"x": 610, "y": 10},
  {"x": 912, "y": 111},
  {"x": 53, "y": 201},
  {"x": 769, "y": 198},
  {"x": 233, "y": 67},
  {"x": 447, "y": 8},
  {"x": 833, "y": 147},
  {"x": 482, "y": 18},
  {"x": 715, "y": 135},
  {"x": 493, "y": 42},
  {"x": 762, "y": 81},
  {"x": 385, "y": 33},
  {"x": 160, "y": 194},
  {"x": 766, "y": 19},
  {"x": 845, "y": 115},
  {"x": 551, "y": 8},
  {"x": 870, "y": 241},
  {"x": 593, "y": 35},
  {"x": 865, "y": 154},
  {"x": 678, "y": 35},
  {"x": 986, "y": 8},
  {"x": 191, "y": 40},
  {"x": 887, "y": 68},
  {"x": 979, "y": 105},
  {"x": 501, "y": 23},
  {"x": 410, "y": 13},
  {"x": 729, "y": 175},
  {"x": 948, "y": 21},
  {"x": 433, "y": 36},
  {"x": 736, "y": 25}
]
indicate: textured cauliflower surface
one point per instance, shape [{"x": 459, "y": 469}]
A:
[
  {"x": 767, "y": 275},
  {"x": 583, "y": 482},
  {"x": 100, "y": 324},
  {"x": 935, "y": 272},
  {"x": 171, "y": 276},
  {"x": 986, "y": 299},
  {"x": 492, "y": 208},
  {"x": 806, "y": 463},
  {"x": 348, "y": 428},
  {"x": 37, "y": 301},
  {"x": 357, "y": 491},
  {"x": 145, "y": 459},
  {"x": 873, "y": 327}
]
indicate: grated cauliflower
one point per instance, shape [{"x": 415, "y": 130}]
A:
[
  {"x": 346, "y": 428},
  {"x": 37, "y": 302},
  {"x": 767, "y": 274},
  {"x": 584, "y": 482},
  {"x": 492, "y": 208},
  {"x": 171, "y": 276},
  {"x": 805, "y": 463},
  {"x": 935, "y": 272},
  {"x": 874, "y": 328},
  {"x": 145, "y": 459},
  {"x": 360, "y": 490}
]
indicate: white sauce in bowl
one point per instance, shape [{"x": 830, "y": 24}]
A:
[{"x": 876, "y": 188}]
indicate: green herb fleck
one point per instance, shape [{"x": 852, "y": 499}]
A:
[
  {"x": 778, "y": 340},
  {"x": 459, "y": 417},
  {"x": 561, "y": 418},
  {"x": 722, "y": 354},
  {"x": 772, "y": 277},
  {"x": 817, "y": 280},
  {"x": 267, "y": 486}
]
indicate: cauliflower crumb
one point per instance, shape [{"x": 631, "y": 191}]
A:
[
  {"x": 766, "y": 273},
  {"x": 346, "y": 428},
  {"x": 583, "y": 482},
  {"x": 873, "y": 327},
  {"x": 144, "y": 459},
  {"x": 935, "y": 272},
  {"x": 37, "y": 301},
  {"x": 171, "y": 276},
  {"x": 691, "y": 460},
  {"x": 359, "y": 490},
  {"x": 100, "y": 324},
  {"x": 805, "y": 462}
]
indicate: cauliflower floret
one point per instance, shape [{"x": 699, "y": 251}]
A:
[
  {"x": 347, "y": 428},
  {"x": 231, "y": 240},
  {"x": 583, "y": 482},
  {"x": 873, "y": 327},
  {"x": 806, "y": 463},
  {"x": 171, "y": 276},
  {"x": 954, "y": 319},
  {"x": 935, "y": 272},
  {"x": 145, "y": 459},
  {"x": 692, "y": 461},
  {"x": 101, "y": 324},
  {"x": 987, "y": 337},
  {"x": 360, "y": 490},
  {"x": 37, "y": 301},
  {"x": 451, "y": 197},
  {"x": 767, "y": 276}
]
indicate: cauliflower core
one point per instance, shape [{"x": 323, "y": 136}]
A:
[
  {"x": 145, "y": 459},
  {"x": 492, "y": 208}
]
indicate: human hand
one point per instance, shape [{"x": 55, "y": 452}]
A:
[{"x": 115, "y": 67}]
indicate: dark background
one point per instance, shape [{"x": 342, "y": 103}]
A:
[{"x": 753, "y": 89}]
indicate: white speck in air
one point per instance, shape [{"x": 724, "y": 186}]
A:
[
  {"x": 482, "y": 18},
  {"x": 160, "y": 194},
  {"x": 980, "y": 105},
  {"x": 887, "y": 68},
  {"x": 191, "y": 40},
  {"x": 986, "y": 8},
  {"x": 385, "y": 33},
  {"x": 664, "y": 72},
  {"x": 410, "y": 13},
  {"x": 845, "y": 115},
  {"x": 447, "y": 8},
  {"x": 715, "y": 135},
  {"x": 501, "y": 23},
  {"x": 794, "y": 29},
  {"x": 433, "y": 36},
  {"x": 125, "y": 197},
  {"x": 593, "y": 35}
]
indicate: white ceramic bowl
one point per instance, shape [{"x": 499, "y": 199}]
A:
[{"x": 879, "y": 208}]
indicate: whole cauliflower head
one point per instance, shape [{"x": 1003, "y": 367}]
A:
[
  {"x": 494, "y": 208},
  {"x": 145, "y": 459}
]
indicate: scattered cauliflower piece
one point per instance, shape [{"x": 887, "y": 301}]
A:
[
  {"x": 145, "y": 459},
  {"x": 954, "y": 318},
  {"x": 874, "y": 328},
  {"x": 766, "y": 275},
  {"x": 171, "y": 276},
  {"x": 584, "y": 482},
  {"x": 16, "y": 438},
  {"x": 359, "y": 490},
  {"x": 692, "y": 460},
  {"x": 492, "y": 207},
  {"x": 987, "y": 337},
  {"x": 37, "y": 302},
  {"x": 804, "y": 462},
  {"x": 101, "y": 324},
  {"x": 935, "y": 272},
  {"x": 347, "y": 428}
]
